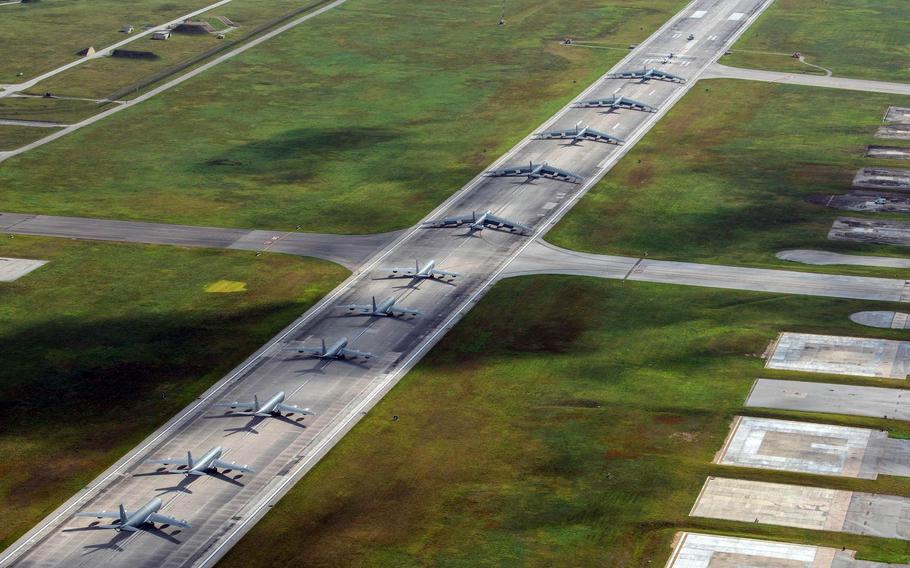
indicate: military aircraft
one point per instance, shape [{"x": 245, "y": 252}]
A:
[
  {"x": 645, "y": 74},
  {"x": 386, "y": 308},
  {"x": 338, "y": 350},
  {"x": 428, "y": 270},
  {"x": 144, "y": 518},
  {"x": 210, "y": 462},
  {"x": 272, "y": 407},
  {"x": 613, "y": 102},
  {"x": 476, "y": 223},
  {"x": 536, "y": 171},
  {"x": 579, "y": 134}
]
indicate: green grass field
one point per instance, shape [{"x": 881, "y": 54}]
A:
[
  {"x": 333, "y": 126},
  {"x": 46, "y": 34},
  {"x": 724, "y": 176},
  {"x": 12, "y": 137},
  {"x": 106, "y": 342},
  {"x": 524, "y": 443},
  {"x": 852, "y": 38}
]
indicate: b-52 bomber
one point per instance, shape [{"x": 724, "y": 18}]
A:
[
  {"x": 338, "y": 350},
  {"x": 475, "y": 223},
  {"x": 386, "y": 308},
  {"x": 614, "y": 102},
  {"x": 209, "y": 463},
  {"x": 272, "y": 407},
  {"x": 579, "y": 134},
  {"x": 428, "y": 270},
  {"x": 144, "y": 518},
  {"x": 648, "y": 73},
  {"x": 536, "y": 171}
]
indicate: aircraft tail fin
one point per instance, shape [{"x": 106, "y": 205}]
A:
[
  {"x": 255, "y": 403},
  {"x": 122, "y": 514},
  {"x": 189, "y": 459},
  {"x": 416, "y": 265},
  {"x": 323, "y": 346},
  {"x": 374, "y": 303}
]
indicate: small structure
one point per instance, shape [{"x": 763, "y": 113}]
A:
[
  {"x": 90, "y": 50},
  {"x": 127, "y": 29},
  {"x": 161, "y": 34}
]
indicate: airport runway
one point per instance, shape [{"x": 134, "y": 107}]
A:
[
  {"x": 348, "y": 250},
  {"x": 281, "y": 451},
  {"x": 718, "y": 71}
]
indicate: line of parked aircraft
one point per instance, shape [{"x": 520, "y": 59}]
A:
[{"x": 211, "y": 464}]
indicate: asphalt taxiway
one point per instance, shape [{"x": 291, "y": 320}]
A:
[{"x": 282, "y": 450}]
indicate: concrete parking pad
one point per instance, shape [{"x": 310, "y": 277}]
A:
[
  {"x": 841, "y": 355},
  {"x": 883, "y": 319},
  {"x": 802, "y": 447},
  {"x": 799, "y": 506},
  {"x": 12, "y": 269},
  {"x": 882, "y": 178},
  {"x": 694, "y": 550},
  {"x": 898, "y": 114},
  {"x": 894, "y": 132},
  {"x": 888, "y": 152},
  {"x": 879, "y": 231},
  {"x": 831, "y": 398},
  {"x": 866, "y": 200}
]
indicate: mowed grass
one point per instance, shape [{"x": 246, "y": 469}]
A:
[
  {"x": 12, "y": 137},
  {"x": 335, "y": 126},
  {"x": 574, "y": 431},
  {"x": 106, "y": 342},
  {"x": 852, "y": 38},
  {"x": 40, "y": 36},
  {"x": 724, "y": 176}
]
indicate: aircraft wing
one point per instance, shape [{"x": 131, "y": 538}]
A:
[
  {"x": 598, "y": 136},
  {"x": 570, "y": 133},
  {"x": 354, "y": 353},
  {"x": 664, "y": 75},
  {"x": 449, "y": 221},
  {"x": 165, "y": 520},
  {"x": 314, "y": 351},
  {"x": 403, "y": 310},
  {"x": 401, "y": 271},
  {"x": 288, "y": 408},
  {"x": 353, "y": 307},
  {"x": 175, "y": 461},
  {"x": 445, "y": 273},
  {"x": 514, "y": 171},
  {"x": 236, "y": 404},
  {"x": 563, "y": 175},
  {"x": 499, "y": 222},
  {"x": 232, "y": 466},
  {"x": 100, "y": 514}
]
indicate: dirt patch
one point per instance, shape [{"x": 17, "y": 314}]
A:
[{"x": 685, "y": 436}]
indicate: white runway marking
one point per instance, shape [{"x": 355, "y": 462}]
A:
[
  {"x": 736, "y": 16},
  {"x": 698, "y": 14}
]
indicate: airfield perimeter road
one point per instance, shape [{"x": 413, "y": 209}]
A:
[{"x": 339, "y": 393}]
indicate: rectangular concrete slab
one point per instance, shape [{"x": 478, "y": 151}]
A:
[
  {"x": 841, "y": 355},
  {"x": 831, "y": 398},
  {"x": 894, "y": 132},
  {"x": 748, "y": 501},
  {"x": 866, "y": 200},
  {"x": 695, "y": 550},
  {"x": 898, "y": 114},
  {"x": 879, "y": 231},
  {"x": 12, "y": 269},
  {"x": 882, "y": 178},
  {"x": 803, "y": 447},
  {"x": 888, "y": 152}
]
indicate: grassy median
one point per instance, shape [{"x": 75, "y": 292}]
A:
[
  {"x": 575, "y": 431},
  {"x": 852, "y": 38},
  {"x": 106, "y": 342},
  {"x": 333, "y": 125},
  {"x": 724, "y": 177}
]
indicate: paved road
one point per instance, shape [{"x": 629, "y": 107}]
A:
[
  {"x": 32, "y": 123},
  {"x": 166, "y": 86},
  {"x": 821, "y": 257},
  {"x": 339, "y": 393},
  {"x": 15, "y": 88},
  {"x": 718, "y": 71},
  {"x": 544, "y": 258},
  {"x": 348, "y": 250}
]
